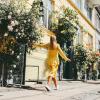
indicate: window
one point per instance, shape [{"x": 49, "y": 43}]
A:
[
  {"x": 74, "y": 1},
  {"x": 99, "y": 46},
  {"x": 98, "y": 22},
  {"x": 41, "y": 12},
  {"x": 46, "y": 12},
  {"x": 89, "y": 13},
  {"x": 79, "y": 37},
  {"x": 85, "y": 4},
  {"x": 78, "y": 3},
  {"x": 87, "y": 10},
  {"x": 90, "y": 41}
]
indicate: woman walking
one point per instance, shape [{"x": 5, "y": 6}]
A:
[{"x": 52, "y": 60}]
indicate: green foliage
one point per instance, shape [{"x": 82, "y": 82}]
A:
[
  {"x": 93, "y": 57},
  {"x": 66, "y": 27},
  {"x": 18, "y": 25},
  {"x": 83, "y": 58},
  {"x": 80, "y": 57}
]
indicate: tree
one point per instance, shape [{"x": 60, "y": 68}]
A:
[
  {"x": 80, "y": 57},
  {"x": 66, "y": 27},
  {"x": 17, "y": 28},
  {"x": 93, "y": 62}
]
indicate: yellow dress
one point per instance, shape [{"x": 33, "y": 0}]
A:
[{"x": 52, "y": 60}]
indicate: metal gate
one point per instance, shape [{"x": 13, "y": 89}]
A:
[{"x": 14, "y": 74}]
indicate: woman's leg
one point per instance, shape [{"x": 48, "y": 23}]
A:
[
  {"x": 48, "y": 83},
  {"x": 49, "y": 80},
  {"x": 54, "y": 76},
  {"x": 55, "y": 82}
]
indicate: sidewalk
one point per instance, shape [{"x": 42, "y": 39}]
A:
[
  {"x": 93, "y": 82},
  {"x": 69, "y": 90}
]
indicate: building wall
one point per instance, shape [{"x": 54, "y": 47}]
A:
[{"x": 36, "y": 58}]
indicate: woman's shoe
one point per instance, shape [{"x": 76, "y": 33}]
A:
[
  {"x": 48, "y": 88},
  {"x": 57, "y": 88}
]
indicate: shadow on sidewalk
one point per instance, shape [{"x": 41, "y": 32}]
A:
[{"x": 42, "y": 88}]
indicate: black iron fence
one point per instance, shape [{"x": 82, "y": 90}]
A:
[{"x": 13, "y": 74}]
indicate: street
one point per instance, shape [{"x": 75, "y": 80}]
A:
[{"x": 69, "y": 90}]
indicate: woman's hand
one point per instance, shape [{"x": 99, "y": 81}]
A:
[
  {"x": 69, "y": 60},
  {"x": 31, "y": 45},
  {"x": 34, "y": 45}
]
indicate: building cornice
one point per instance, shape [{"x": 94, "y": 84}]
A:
[{"x": 79, "y": 12}]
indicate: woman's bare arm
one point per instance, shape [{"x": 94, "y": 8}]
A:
[
  {"x": 41, "y": 45},
  {"x": 62, "y": 54}
]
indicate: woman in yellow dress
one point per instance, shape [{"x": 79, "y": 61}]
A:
[{"x": 52, "y": 60}]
